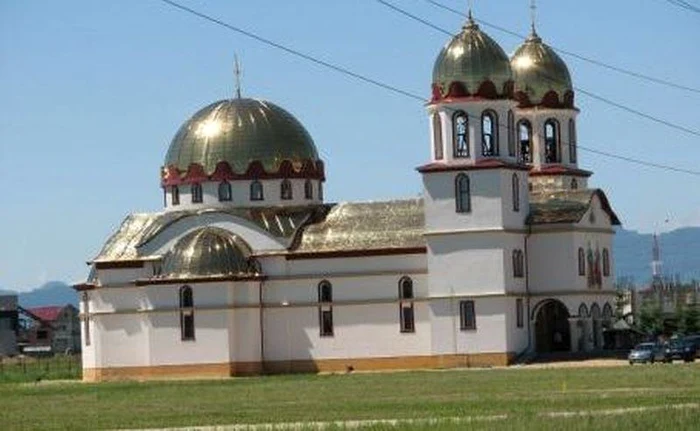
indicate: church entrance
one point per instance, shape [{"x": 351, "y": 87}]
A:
[{"x": 552, "y": 333}]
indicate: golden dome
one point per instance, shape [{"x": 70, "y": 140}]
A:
[
  {"x": 541, "y": 76},
  {"x": 472, "y": 64}
]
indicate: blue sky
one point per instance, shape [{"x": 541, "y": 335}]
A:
[{"x": 91, "y": 93}]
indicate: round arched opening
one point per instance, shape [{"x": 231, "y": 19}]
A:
[{"x": 552, "y": 332}]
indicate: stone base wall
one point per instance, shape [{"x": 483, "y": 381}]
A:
[{"x": 223, "y": 370}]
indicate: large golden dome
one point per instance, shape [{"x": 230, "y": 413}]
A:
[
  {"x": 541, "y": 76},
  {"x": 472, "y": 64},
  {"x": 240, "y": 132}
]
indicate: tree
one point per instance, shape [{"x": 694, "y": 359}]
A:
[
  {"x": 692, "y": 319},
  {"x": 650, "y": 318}
]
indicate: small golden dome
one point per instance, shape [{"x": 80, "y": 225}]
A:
[{"x": 541, "y": 76}]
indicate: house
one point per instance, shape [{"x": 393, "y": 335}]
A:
[{"x": 51, "y": 329}]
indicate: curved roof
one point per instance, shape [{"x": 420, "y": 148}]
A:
[
  {"x": 239, "y": 132},
  {"x": 471, "y": 60},
  {"x": 539, "y": 71},
  {"x": 208, "y": 252}
]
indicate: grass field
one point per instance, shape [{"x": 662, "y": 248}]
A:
[
  {"x": 29, "y": 369},
  {"x": 514, "y": 398}
]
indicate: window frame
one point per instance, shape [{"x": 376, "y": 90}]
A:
[
  {"x": 512, "y": 150},
  {"x": 519, "y": 313},
  {"x": 196, "y": 193},
  {"x": 225, "y": 193},
  {"x": 581, "y": 262},
  {"x": 325, "y": 308},
  {"x": 515, "y": 184},
  {"x": 86, "y": 318},
  {"x": 256, "y": 185},
  {"x": 463, "y": 195},
  {"x": 308, "y": 190},
  {"x": 286, "y": 191},
  {"x": 572, "y": 141},
  {"x": 187, "y": 327},
  {"x": 457, "y": 152},
  {"x": 525, "y": 156},
  {"x": 406, "y": 306},
  {"x": 552, "y": 143},
  {"x": 574, "y": 184},
  {"x": 174, "y": 195},
  {"x": 492, "y": 116},
  {"x": 464, "y": 323},
  {"x": 438, "y": 152},
  {"x": 606, "y": 262}
]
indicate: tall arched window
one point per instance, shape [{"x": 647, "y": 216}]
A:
[
  {"x": 406, "y": 315},
  {"x": 86, "y": 318},
  {"x": 308, "y": 189},
  {"x": 516, "y": 193},
  {"x": 325, "y": 308},
  {"x": 175, "y": 195},
  {"x": 525, "y": 138},
  {"x": 518, "y": 264},
  {"x": 606, "y": 262},
  {"x": 463, "y": 194},
  {"x": 511, "y": 134},
  {"x": 196, "y": 193},
  {"x": 256, "y": 191},
  {"x": 607, "y": 311},
  {"x": 574, "y": 184},
  {"x": 582, "y": 310},
  {"x": 572, "y": 141},
  {"x": 286, "y": 190},
  {"x": 224, "y": 191},
  {"x": 551, "y": 141},
  {"x": 320, "y": 190},
  {"x": 460, "y": 133},
  {"x": 437, "y": 136},
  {"x": 581, "y": 262},
  {"x": 186, "y": 313},
  {"x": 489, "y": 134}
]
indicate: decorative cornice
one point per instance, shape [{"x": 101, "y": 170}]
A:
[
  {"x": 550, "y": 100},
  {"x": 81, "y": 287},
  {"x": 457, "y": 90},
  {"x": 211, "y": 279},
  {"x": 119, "y": 264},
  {"x": 355, "y": 253},
  {"x": 480, "y": 164},
  {"x": 556, "y": 170},
  {"x": 305, "y": 169}
]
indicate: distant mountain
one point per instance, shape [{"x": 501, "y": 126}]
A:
[
  {"x": 680, "y": 254},
  {"x": 51, "y": 293}
]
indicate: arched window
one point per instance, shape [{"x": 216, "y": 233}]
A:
[
  {"x": 582, "y": 310},
  {"x": 581, "y": 262},
  {"x": 460, "y": 133},
  {"x": 286, "y": 190},
  {"x": 196, "y": 193},
  {"x": 574, "y": 184},
  {"x": 186, "y": 313},
  {"x": 516, "y": 193},
  {"x": 175, "y": 195},
  {"x": 320, "y": 190},
  {"x": 463, "y": 194},
  {"x": 325, "y": 308},
  {"x": 511, "y": 134},
  {"x": 551, "y": 141},
  {"x": 86, "y": 318},
  {"x": 595, "y": 311},
  {"x": 525, "y": 138},
  {"x": 406, "y": 315},
  {"x": 607, "y": 311},
  {"x": 437, "y": 136},
  {"x": 518, "y": 264},
  {"x": 224, "y": 191},
  {"x": 308, "y": 190},
  {"x": 489, "y": 134},
  {"x": 572, "y": 141},
  {"x": 256, "y": 191},
  {"x": 606, "y": 262}
]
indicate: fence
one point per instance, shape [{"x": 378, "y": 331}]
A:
[{"x": 34, "y": 369}]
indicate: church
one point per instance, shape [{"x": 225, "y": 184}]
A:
[{"x": 247, "y": 270}]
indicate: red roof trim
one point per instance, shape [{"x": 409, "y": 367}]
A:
[
  {"x": 305, "y": 169},
  {"x": 355, "y": 253},
  {"x": 81, "y": 287},
  {"x": 118, "y": 264}
]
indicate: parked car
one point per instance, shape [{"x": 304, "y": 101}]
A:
[
  {"x": 694, "y": 339},
  {"x": 679, "y": 349},
  {"x": 647, "y": 353}
]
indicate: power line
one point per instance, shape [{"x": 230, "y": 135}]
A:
[
  {"x": 685, "y": 5},
  {"x": 395, "y": 90},
  {"x": 593, "y": 61},
  {"x": 578, "y": 89}
]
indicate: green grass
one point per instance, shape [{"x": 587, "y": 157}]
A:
[
  {"x": 521, "y": 394},
  {"x": 59, "y": 367}
]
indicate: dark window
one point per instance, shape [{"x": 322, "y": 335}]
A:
[
  {"x": 175, "y": 195},
  {"x": 42, "y": 334},
  {"x": 519, "y": 312},
  {"x": 326, "y": 322},
  {"x": 574, "y": 184},
  {"x": 551, "y": 141},
  {"x": 516, "y": 193},
  {"x": 463, "y": 194},
  {"x": 86, "y": 318},
  {"x": 406, "y": 305},
  {"x": 308, "y": 190},
  {"x": 511, "y": 134},
  {"x": 607, "y": 311},
  {"x": 582, "y": 310},
  {"x": 525, "y": 137},
  {"x": 437, "y": 136},
  {"x": 325, "y": 292},
  {"x": 467, "y": 318},
  {"x": 286, "y": 190},
  {"x": 320, "y": 190},
  {"x": 186, "y": 313},
  {"x": 518, "y": 264},
  {"x": 489, "y": 134},
  {"x": 606, "y": 262},
  {"x": 196, "y": 193},
  {"x": 572, "y": 141},
  {"x": 581, "y": 262},
  {"x": 460, "y": 131},
  {"x": 256, "y": 191},
  {"x": 224, "y": 191}
]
